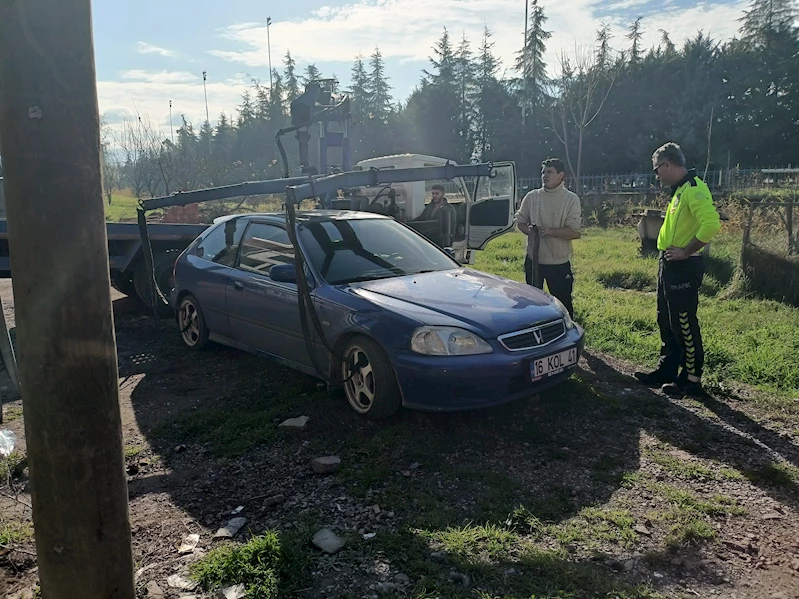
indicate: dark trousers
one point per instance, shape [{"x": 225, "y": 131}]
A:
[
  {"x": 559, "y": 279},
  {"x": 678, "y": 300}
]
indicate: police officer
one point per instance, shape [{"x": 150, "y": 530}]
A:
[{"x": 691, "y": 222}]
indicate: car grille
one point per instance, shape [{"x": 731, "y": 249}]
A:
[{"x": 533, "y": 337}]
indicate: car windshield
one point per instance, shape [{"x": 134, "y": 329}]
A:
[{"x": 348, "y": 251}]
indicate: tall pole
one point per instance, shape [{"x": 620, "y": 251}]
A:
[
  {"x": 49, "y": 127},
  {"x": 207, "y": 118},
  {"x": 171, "y": 127},
  {"x": 524, "y": 60},
  {"x": 269, "y": 51}
]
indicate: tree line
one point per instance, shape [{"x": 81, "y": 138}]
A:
[{"x": 602, "y": 108}]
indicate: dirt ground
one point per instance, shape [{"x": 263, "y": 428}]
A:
[{"x": 591, "y": 490}]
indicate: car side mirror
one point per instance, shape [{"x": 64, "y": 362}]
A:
[
  {"x": 283, "y": 273},
  {"x": 450, "y": 252}
]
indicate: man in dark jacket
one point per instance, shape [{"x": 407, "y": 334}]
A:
[{"x": 442, "y": 211}]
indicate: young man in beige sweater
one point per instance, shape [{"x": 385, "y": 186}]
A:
[{"x": 554, "y": 215}]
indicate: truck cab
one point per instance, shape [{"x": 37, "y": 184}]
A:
[{"x": 485, "y": 207}]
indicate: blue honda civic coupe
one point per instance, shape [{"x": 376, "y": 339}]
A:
[{"x": 406, "y": 323}]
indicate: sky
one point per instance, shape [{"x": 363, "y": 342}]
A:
[{"x": 148, "y": 52}]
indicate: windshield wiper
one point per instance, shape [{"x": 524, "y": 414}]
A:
[{"x": 362, "y": 278}]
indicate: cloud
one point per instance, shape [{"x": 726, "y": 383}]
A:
[
  {"x": 339, "y": 33},
  {"x": 145, "y": 48},
  {"x": 149, "y": 93},
  {"x": 159, "y": 77}
]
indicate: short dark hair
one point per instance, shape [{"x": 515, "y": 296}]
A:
[
  {"x": 669, "y": 151},
  {"x": 555, "y": 163},
  {"x": 438, "y": 187}
]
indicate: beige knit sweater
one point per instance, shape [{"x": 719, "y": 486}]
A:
[{"x": 554, "y": 208}]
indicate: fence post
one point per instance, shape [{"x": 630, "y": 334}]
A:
[{"x": 789, "y": 224}]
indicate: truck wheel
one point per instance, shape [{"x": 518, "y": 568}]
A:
[
  {"x": 163, "y": 264},
  {"x": 193, "y": 330},
  {"x": 368, "y": 378},
  {"x": 123, "y": 282}
]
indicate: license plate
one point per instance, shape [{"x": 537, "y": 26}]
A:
[{"x": 552, "y": 365}]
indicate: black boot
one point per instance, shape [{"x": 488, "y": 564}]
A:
[
  {"x": 656, "y": 378},
  {"x": 682, "y": 387}
]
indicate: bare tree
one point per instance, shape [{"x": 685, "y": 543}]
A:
[
  {"x": 579, "y": 94},
  {"x": 111, "y": 168},
  {"x": 152, "y": 165}
]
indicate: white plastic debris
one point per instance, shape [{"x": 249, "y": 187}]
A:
[{"x": 7, "y": 442}]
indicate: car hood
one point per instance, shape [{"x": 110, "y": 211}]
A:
[{"x": 490, "y": 304}]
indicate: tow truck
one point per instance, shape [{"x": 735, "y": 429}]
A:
[{"x": 485, "y": 204}]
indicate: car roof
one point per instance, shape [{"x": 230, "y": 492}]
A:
[{"x": 307, "y": 216}]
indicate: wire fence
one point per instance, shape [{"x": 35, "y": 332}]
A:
[{"x": 636, "y": 183}]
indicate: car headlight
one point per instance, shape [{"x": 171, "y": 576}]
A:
[
  {"x": 566, "y": 318},
  {"x": 447, "y": 341}
]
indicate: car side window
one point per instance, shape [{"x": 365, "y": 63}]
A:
[
  {"x": 221, "y": 244},
  {"x": 264, "y": 246}
]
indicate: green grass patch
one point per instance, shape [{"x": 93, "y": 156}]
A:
[
  {"x": 131, "y": 451},
  {"x": 487, "y": 543},
  {"x": 268, "y": 566},
  {"x": 14, "y": 533},
  {"x": 12, "y": 466},
  {"x": 778, "y": 474},
  {"x": 250, "y": 413},
  {"x": 499, "y": 563},
  {"x": 12, "y": 413},
  {"x": 753, "y": 341},
  {"x": 685, "y": 502},
  {"x": 123, "y": 207},
  {"x": 690, "y": 531},
  {"x": 683, "y": 468}
]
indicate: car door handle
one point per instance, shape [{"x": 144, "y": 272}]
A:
[{"x": 238, "y": 285}]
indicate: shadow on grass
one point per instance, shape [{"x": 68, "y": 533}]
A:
[
  {"x": 771, "y": 276},
  {"x": 540, "y": 461}
]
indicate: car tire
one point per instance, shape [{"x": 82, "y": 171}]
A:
[
  {"x": 193, "y": 331},
  {"x": 372, "y": 390}
]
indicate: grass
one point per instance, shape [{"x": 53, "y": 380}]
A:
[
  {"x": 534, "y": 487},
  {"x": 749, "y": 340},
  {"x": 267, "y": 565},
  {"x": 14, "y": 533},
  {"x": 11, "y": 465},
  {"x": 12, "y": 413},
  {"x": 123, "y": 207}
]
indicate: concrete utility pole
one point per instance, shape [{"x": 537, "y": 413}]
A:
[{"x": 50, "y": 132}]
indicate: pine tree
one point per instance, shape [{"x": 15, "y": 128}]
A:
[
  {"x": 261, "y": 100},
  {"x": 311, "y": 74},
  {"x": 378, "y": 89},
  {"x": 666, "y": 45},
  {"x": 246, "y": 110},
  {"x": 603, "y": 37},
  {"x": 488, "y": 111},
  {"x": 444, "y": 63},
  {"x": 359, "y": 89},
  {"x": 292, "y": 85},
  {"x": 769, "y": 22},
  {"x": 530, "y": 60},
  {"x": 635, "y": 34},
  {"x": 276, "y": 111},
  {"x": 465, "y": 74}
]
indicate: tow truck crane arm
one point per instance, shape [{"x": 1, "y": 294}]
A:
[{"x": 297, "y": 189}]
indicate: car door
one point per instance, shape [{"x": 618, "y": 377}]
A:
[
  {"x": 491, "y": 211},
  {"x": 211, "y": 260},
  {"x": 264, "y": 314}
]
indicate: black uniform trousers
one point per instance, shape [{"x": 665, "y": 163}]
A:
[
  {"x": 559, "y": 279},
  {"x": 678, "y": 300}
]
